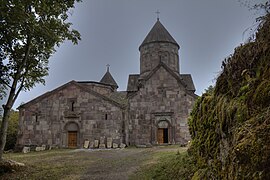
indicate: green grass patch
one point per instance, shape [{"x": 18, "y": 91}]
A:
[
  {"x": 54, "y": 164},
  {"x": 167, "y": 165}
]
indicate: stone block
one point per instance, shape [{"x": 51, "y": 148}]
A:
[
  {"x": 26, "y": 149},
  {"x": 86, "y": 144},
  {"x": 96, "y": 143},
  {"x": 109, "y": 142},
  {"x": 115, "y": 145},
  {"x": 122, "y": 145},
  {"x": 38, "y": 148},
  {"x": 102, "y": 146},
  {"x": 102, "y": 140},
  {"x": 43, "y": 147},
  {"x": 92, "y": 145}
]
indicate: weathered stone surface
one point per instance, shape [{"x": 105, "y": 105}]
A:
[
  {"x": 96, "y": 143},
  {"x": 109, "y": 142},
  {"x": 26, "y": 149},
  {"x": 102, "y": 140},
  {"x": 86, "y": 144},
  {"x": 38, "y": 148},
  {"x": 122, "y": 145},
  {"x": 92, "y": 145},
  {"x": 115, "y": 145},
  {"x": 102, "y": 146}
]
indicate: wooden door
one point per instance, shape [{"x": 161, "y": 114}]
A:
[
  {"x": 160, "y": 136},
  {"x": 72, "y": 139}
]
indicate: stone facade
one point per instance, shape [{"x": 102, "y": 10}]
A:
[
  {"x": 154, "y": 109},
  {"x": 162, "y": 102},
  {"x": 70, "y": 108}
]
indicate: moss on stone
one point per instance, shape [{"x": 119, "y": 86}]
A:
[{"x": 230, "y": 128}]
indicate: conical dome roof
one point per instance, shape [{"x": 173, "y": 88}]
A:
[
  {"x": 108, "y": 79},
  {"x": 158, "y": 33}
]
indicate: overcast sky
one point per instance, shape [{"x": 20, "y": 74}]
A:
[{"x": 112, "y": 31}]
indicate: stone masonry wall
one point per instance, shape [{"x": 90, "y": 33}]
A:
[
  {"x": 161, "y": 99},
  {"x": 152, "y": 53},
  {"x": 46, "y": 121}
]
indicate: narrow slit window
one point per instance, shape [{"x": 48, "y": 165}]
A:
[
  {"x": 106, "y": 116},
  {"x": 72, "y": 105}
]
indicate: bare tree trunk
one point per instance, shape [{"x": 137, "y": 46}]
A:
[
  {"x": 3, "y": 131},
  {"x": 7, "y": 108}
]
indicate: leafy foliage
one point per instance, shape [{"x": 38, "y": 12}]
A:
[
  {"x": 230, "y": 127},
  {"x": 29, "y": 32},
  {"x": 12, "y": 130}
]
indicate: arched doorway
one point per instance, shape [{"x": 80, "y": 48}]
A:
[
  {"x": 163, "y": 132},
  {"x": 72, "y": 134}
]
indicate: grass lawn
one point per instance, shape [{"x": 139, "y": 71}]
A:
[
  {"x": 54, "y": 164},
  {"x": 130, "y": 163},
  {"x": 166, "y": 165}
]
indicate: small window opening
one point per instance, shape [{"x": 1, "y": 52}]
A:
[
  {"x": 106, "y": 116},
  {"x": 36, "y": 116},
  {"x": 72, "y": 105}
]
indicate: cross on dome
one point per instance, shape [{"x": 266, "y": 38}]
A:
[
  {"x": 157, "y": 12},
  {"x": 108, "y": 67}
]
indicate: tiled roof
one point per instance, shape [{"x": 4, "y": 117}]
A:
[{"x": 158, "y": 33}]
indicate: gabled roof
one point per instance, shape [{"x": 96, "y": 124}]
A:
[
  {"x": 188, "y": 81},
  {"x": 158, "y": 33},
  {"x": 184, "y": 80},
  {"x": 133, "y": 82},
  {"x": 169, "y": 70},
  {"x": 94, "y": 82},
  {"x": 108, "y": 79},
  {"x": 79, "y": 85}
]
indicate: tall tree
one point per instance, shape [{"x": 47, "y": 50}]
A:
[{"x": 29, "y": 32}]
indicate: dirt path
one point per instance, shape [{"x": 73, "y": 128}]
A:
[{"x": 119, "y": 164}]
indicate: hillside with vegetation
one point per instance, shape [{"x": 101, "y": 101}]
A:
[{"x": 230, "y": 124}]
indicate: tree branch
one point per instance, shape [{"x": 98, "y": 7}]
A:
[
  {"x": 5, "y": 83},
  {"x": 12, "y": 94},
  {"x": 18, "y": 91}
]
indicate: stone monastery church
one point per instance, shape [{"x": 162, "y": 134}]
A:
[{"x": 153, "y": 110}]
